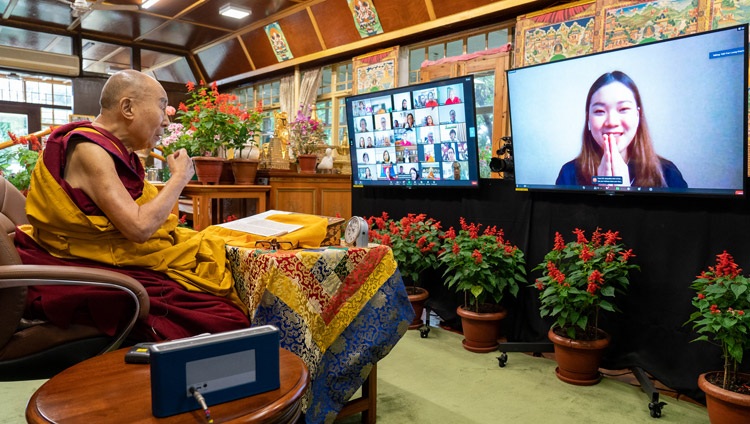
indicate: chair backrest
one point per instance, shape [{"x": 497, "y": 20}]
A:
[
  {"x": 12, "y": 207},
  {"x": 13, "y": 299}
]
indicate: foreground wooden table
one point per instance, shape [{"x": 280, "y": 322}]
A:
[{"x": 106, "y": 389}]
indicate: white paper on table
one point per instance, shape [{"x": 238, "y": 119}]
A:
[{"x": 259, "y": 225}]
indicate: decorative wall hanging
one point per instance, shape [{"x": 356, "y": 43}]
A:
[
  {"x": 724, "y": 14},
  {"x": 630, "y": 24},
  {"x": 365, "y": 18},
  {"x": 555, "y": 34},
  {"x": 278, "y": 42},
  {"x": 375, "y": 71}
]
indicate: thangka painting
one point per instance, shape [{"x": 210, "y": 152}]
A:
[
  {"x": 375, "y": 71},
  {"x": 278, "y": 42},
  {"x": 365, "y": 17},
  {"x": 650, "y": 21},
  {"x": 555, "y": 34},
  {"x": 726, "y": 13}
]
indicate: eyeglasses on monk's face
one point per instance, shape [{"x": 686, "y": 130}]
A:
[{"x": 274, "y": 244}]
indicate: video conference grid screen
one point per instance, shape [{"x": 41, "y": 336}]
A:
[{"x": 417, "y": 136}]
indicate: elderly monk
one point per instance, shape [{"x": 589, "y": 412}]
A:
[{"x": 89, "y": 205}]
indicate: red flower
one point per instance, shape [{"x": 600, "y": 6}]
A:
[
  {"x": 611, "y": 237},
  {"x": 559, "y": 242},
  {"x": 581, "y": 236},
  {"x": 586, "y": 254},
  {"x": 624, "y": 256},
  {"x": 725, "y": 266},
  {"x": 456, "y": 249},
  {"x": 595, "y": 281},
  {"x": 477, "y": 255}
]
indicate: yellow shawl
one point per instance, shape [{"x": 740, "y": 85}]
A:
[{"x": 196, "y": 260}]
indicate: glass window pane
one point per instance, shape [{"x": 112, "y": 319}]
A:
[
  {"x": 325, "y": 83},
  {"x": 484, "y": 89},
  {"x": 275, "y": 90},
  {"x": 475, "y": 43},
  {"x": 436, "y": 52},
  {"x": 344, "y": 77},
  {"x": 45, "y": 93},
  {"x": 325, "y": 115},
  {"x": 32, "y": 92},
  {"x": 16, "y": 91},
  {"x": 416, "y": 57},
  {"x": 497, "y": 38},
  {"x": 454, "y": 48}
]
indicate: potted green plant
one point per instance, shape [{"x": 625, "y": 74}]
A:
[
  {"x": 242, "y": 140},
  {"x": 306, "y": 134},
  {"x": 721, "y": 301},
  {"x": 579, "y": 280},
  {"x": 485, "y": 268},
  {"x": 210, "y": 121},
  {"x": 19, "y": 159},
  {"x": 416, "y": 241}
]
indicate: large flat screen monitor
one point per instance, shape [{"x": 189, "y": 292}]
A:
[
  {"x": 667, "y": 117},
  {"x": 415, "y": 136}
]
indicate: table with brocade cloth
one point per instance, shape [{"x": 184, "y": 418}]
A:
[{"x": 339, "y": 309}]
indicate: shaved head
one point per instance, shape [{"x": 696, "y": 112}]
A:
[{"x": 127, "y": 83}]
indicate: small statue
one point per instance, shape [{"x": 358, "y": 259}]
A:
[
  {"x": 326, "y": 163},
  {"x": 281, "y": 130}
]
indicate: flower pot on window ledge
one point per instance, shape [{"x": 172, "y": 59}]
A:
[
  {"x": 208, "y": 169},
  {"x": 307, "y": 163},
  {"x": 244, "y": 170}
]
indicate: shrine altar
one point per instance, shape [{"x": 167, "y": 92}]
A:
[{"x": 339, "y": 309}]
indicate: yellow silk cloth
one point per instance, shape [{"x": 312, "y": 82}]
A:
[{"x": 311, "y": 234}]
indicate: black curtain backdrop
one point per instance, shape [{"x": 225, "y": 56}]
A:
[{"x": 674, "y": 239}]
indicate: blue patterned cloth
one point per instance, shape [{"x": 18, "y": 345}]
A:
[{"x": 337, "y": 374}]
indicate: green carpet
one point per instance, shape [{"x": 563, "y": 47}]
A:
[{"x": 435, "y": 380}]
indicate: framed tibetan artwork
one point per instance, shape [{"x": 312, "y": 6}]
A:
[
  {"x": 630, "y": 23},
  {"x": 376, "y": 71},
  {"x": 557, "y": 33}
]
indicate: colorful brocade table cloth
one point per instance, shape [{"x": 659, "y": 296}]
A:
[{"x": 339, "y": 309}]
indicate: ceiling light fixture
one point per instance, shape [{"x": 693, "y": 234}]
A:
[
  {"x": 145, "y": 4},
  {"x": 235, "y": 12}
]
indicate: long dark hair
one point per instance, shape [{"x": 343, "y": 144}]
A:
[{"x": 648, "y": 171}]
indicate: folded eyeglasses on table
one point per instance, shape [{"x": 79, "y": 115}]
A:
[{"x": 273, "y": 244}]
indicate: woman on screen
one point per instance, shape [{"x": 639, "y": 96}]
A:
[
  {"x": 413, "y": 174},
  {"x": 409, "y": 121},
  {"x": 616, "y": 140}
]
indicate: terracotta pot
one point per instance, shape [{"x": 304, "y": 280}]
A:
[
  {"x": 208, "y": 169},
  {"x": 244, "y": 171},
  {"x": 417, "y": 297},
  {"x": 724, "y": 406},
  {"x": 481, "y": 330},
  {"x": 227, "y": 175},
  {"x": 578, "y": 360},
  {"x": 307, "y": 163}
]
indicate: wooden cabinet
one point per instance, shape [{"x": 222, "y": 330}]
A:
[{"x": 317, "y": 194}]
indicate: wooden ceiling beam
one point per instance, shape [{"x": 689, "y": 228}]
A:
[{"x": 381, "y": 39}]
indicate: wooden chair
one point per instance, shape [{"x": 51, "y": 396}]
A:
[{"x": 34, "y": 349}]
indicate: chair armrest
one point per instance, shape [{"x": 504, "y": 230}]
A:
[{"x": 39, "y": 275}]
